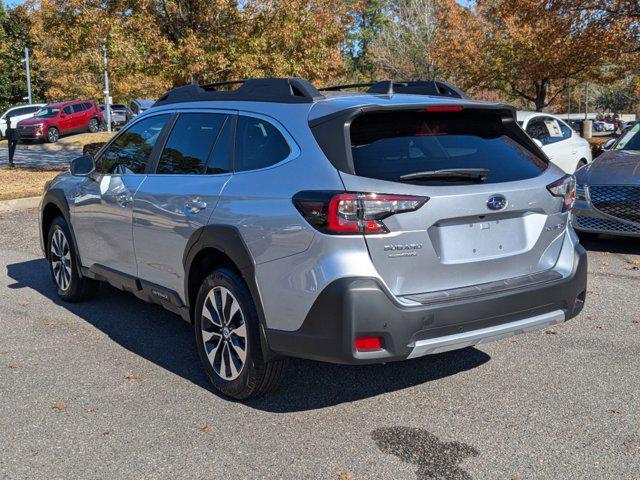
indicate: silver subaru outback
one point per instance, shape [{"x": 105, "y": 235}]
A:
[{"x": 348, "y": 227}]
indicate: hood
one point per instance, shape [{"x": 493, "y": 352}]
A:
[
  {"x": 612, "y": 168},
  {"x": 34, "y": 121}
]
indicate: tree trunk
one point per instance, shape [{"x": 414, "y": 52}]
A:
[{"x": 541, "y": 95}]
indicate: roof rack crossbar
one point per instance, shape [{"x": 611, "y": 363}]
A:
[{"x": 388, "y": 87}]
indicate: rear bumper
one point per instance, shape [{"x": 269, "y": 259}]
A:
[{"x": 356, "y": 307}]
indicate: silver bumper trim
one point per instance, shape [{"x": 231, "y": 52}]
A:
[{"x": 484, "y": 335}]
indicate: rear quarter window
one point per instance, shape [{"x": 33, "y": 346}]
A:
[{"x": 389, "y": 145}]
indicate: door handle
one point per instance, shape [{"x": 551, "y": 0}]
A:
[{"x": 195, "y": 205}]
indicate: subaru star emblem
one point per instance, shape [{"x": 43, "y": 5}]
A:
[{"x": 496, "y": 202}]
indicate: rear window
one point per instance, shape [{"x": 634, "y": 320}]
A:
[{"x": 389, "y": 145}]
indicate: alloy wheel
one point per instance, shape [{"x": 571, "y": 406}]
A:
[
  {"x": 53, "y": 135},
  {"x": 60, "y": 258},
  {"x": 224, "y": 333}
]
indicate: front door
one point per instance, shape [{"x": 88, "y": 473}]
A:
[
  {"x": 102, "y": 210},
  {"x": 65, "y": 119},
  {"x": 179, "y": 197}
]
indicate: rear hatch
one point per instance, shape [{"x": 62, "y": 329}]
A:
[{"x": 489, "y": 214}]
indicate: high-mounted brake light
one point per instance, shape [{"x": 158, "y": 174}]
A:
[
  {"x": 353, "y": 213},
  {"x": 443, "y": 108},
  {"x": 566, "y": 189}
]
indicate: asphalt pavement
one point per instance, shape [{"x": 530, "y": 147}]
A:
[{"x": 112, "y": 389}]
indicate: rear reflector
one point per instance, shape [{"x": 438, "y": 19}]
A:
[
  {"x": 443, "y": 108},
  {"x": 364, "y": 344}
]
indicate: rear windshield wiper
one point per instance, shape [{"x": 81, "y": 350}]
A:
[{"x": 448, "y": 174}]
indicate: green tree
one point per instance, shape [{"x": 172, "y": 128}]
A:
[
  {"x": 369, "y": 18},
  {"x": 14, "y": 37}
]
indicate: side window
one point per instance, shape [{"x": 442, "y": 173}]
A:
[
  {"x": 538, "y": 130},
  {"x": 190, "y": 143},
  {"x": 87, "y": 105},
  {"x": 78, "y": 107},
  {"x": 67, "y": 110},
  {"x": 20, "y": 111},
  {"x": 134, "y": 108},
  {"x": 129, "y": 152},
  {"x": 566, "y": 130},
  {"x": 258, "y": 144},
  {"x": 220, "y": 161},
  {"x": 32, "y": 110},
  {"x": 553, "y": 129}
]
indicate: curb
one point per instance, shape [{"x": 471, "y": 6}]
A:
[{"x": 19, "y": 204}]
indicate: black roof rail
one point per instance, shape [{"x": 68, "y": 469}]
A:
[
  {"x": 388, "y": 87},
  {"x": 282, "y": 90}
]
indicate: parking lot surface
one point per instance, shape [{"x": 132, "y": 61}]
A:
[{"x": 113, "y": 389}]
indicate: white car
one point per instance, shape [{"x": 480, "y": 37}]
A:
[
  {"x": 18, "y": 113},
  {"x": 564, "y": 146}
]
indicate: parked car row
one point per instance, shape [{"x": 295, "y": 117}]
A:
[{"x": 49, "y": 122}]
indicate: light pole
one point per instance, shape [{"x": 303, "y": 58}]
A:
[
  {"x": 26, "y": 62},
  {"x": 107, "y": 96}
]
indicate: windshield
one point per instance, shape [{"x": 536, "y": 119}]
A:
[
  {"x": 630, "y": 140},
  {"x": 48, "y": 112}
]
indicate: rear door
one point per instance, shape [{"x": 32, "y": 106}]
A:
[
  {"x": 179, "y": 196},
  {"x": 471, "y": 230}
]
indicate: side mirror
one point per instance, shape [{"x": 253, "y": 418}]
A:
[
  {"x": 82, "y": 166},
  {"x": 537, "y": 142},
  {"x": 608, "y": 144}
]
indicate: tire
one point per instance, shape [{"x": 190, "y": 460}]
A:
[
  {"x": 63, "y": 265},
  {"x": 53, "y": 134},
  {"x": 93, "y": 125},
  {"x": 223, "y": 329}
]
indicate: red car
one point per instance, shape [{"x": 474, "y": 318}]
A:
[{"x": 62, "y": 118}]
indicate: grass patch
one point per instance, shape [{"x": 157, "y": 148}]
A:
[{"x": 24, "y": 182}]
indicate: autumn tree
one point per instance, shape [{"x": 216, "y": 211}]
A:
[
  {"x": 154, "y": 45},
  {"x": 528, "y": 49},
  {"x": 407, "y": 47}
]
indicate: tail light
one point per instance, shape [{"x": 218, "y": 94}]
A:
[
  {"x": 352, "y": 213},
  {"x": 566, "y": 189}
]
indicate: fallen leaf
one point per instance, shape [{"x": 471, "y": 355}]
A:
[
  {"x": 517, "y": 477},
  {"x": 604, "y": 264},
  {"x": 513, "y": 340},
  {"x": 635, "y": 267},
  {"x": 15, "y": 365},
  {"x": 4, "y": 353},
  {"x": 603, "y": 327},
  {"x": 205, "y": 429},
  {"x": 24, "y": 305},
  {"x": 592, "y": 292},
  {"x": 91, "y": 410},
  {"x": 635, "y": 321},
  {"x": 58, "y": 406},
  {"x": 131, "y": 377},
  {"x": 551, "y": 331},
  {"x": 344, "y": 475},
  {"x": 606, "y": 253},
  {"x": 105, "y": 434},
  {"x": 633, "y": 261},
  {"x": 616, "y": 410},
  {"x": 591, "y": 317}
]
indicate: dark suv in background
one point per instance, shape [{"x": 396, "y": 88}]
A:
[{"x": 62, "y": 118}]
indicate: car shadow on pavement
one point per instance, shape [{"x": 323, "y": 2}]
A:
[
  {"x": 605, "y": 243},
  {"x": 164, "y": 339}
]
